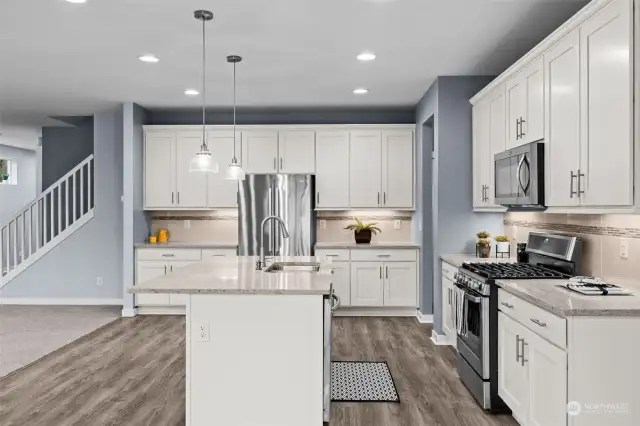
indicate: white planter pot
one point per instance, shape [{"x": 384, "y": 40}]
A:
[{"x": 502, "y": 247}]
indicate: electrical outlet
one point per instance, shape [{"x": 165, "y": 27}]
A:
[
  {"x": 323, "y": 224},
  {"x": 624, "y": 248},
  {"x": 202, "y": 333},
  {"x": 397, "y": 224},
  {"x": 99, "y": 281},
  {"x": 187, "y": 224}
]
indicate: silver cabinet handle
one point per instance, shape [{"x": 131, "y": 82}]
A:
[
  {"x": 171, "y": 268},
  {"x": 449, "y": 296},
  {"x": 571, "y": 191},
  {"x": 580, "y": 176},
  {"x": 318, "y": 197},
  {"x": 378, "y": 198},
  {"x": 332, "y": 255},
  {"x": 386, "y": 272},
  {"x": 384, "y": 197},
  {"x": 508, "y": 305},
  {"x": 168, "y": 255},
  {"x": 522, "y": 133},
  {"x": 517, "y": 128},
  {"x": 538, "y": 322},
  {"x": 274, "y": 163},
  {"x": 172, "y": 197},
  {"x": 178, "y": 197},
  {"x": 381, "y": 272},
  {"x": 281, "y": 163},
  {"x": 518, "y": 347},
  {"x": 165, "y": 269},
  {"x": 483, "y": 193},
  {"x": 522, "y": 354},
  {"x": 383, "y": 255}
]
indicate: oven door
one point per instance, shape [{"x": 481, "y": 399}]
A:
[{"x": 473, "y": 337}]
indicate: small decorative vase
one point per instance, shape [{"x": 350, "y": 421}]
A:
[
  {"x": 502, "y": 247},
  {"x": 484, "y": 251},
  {"x": 363, "y": 237}
]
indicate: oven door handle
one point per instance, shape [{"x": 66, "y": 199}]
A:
[{"x": 474, "y": 299}]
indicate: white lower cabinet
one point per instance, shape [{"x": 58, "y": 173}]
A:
[
  {"x": 400, "y": 284},
  {"x": 342, "y": 282},
  {"x": 367, "y": 287},
  {"x": 147, "y": 271},
  {"x": 178, "y": 299},
  {"x": 513, "y": 377},
  {"x": 448, "y": 324}
]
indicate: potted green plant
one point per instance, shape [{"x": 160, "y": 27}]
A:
[
  {"x": 502, "y": 244},
  {"x": 483, "y": 245},
  {"x": 363, "y": 231}
]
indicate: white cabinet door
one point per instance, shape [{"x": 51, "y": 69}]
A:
[
  {"x": 513, "y": 378},
  {"x": 191, "y": 186},
  {"x": 296, "y": 149},
  {"x": 516, "y": 101},
  {"x": 447, "y": 299},
  {"x": 562, "y": 141},
  {"x": 144, "y": 272},
  {"x": 497, "y": 138},
  {"x": 260, "y": 151},
  {"x": 342, "y": 282},
  {"x": 222, "y": 193},
  {"x": 481, "y": 117},
  {"x": 178, "y": 299},
  {"x": 400, "y": 284},
  {"x": 159, "y": 169},
  {"x": 607, "y": 106},
  {"x": 397, "y": 169},
  {"x": 547, "y": 382},
  {"x": 365, "y": 171},
  {"x": 367, "y": 284},
  {"x": 532, "y": 127},
  {"x": 332, "y": 169}
]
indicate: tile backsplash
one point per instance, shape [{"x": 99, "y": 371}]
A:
[
  {"x": 602, "y": 237},
  {"x": 222, "y": 226}
]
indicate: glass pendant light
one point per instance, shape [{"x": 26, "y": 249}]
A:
[
  {"x": 234, "y": 171},
  {"x": 203, "y": 160}
]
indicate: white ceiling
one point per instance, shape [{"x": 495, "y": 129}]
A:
[{"x": 62, "y": 58}]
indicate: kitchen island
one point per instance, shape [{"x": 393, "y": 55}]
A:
[{"x": 257, "y": 342}]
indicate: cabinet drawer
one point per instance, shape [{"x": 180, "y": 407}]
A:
[
  {"x": 449, "y": 271},
  {"x": 378, "y": 255},
  {"x": 541, "y": 322},
  {"x": 168, "y": 254},
  {"x": 211, "y": 253},
  {"x": 336, "y": 255}
]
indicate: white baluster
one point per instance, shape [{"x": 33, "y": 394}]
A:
[
  {"x": 89, "y": 184},
  {"x": 2, "y": 251},
  {"x": 66, "y": 202},
  {"x": 30, "y": 230},
  {"x": 81, "y": 191},
  {"x": 15, "y": 242},
  {"x": 52, "y": 206},
  {"x": 37, "y": 225},
  {"x": 75, "y": 189}
]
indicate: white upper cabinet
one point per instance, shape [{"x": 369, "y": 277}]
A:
[
  {"x": 260, "y": 151},
  {"x": 191, "y": 186},
  {"x": 332, "y": 169},
  {"x": 159, "y": 169},
  {"x": 222, "y": 193},
  {"x": 562, "y": 108},
  {"x": 607, "y": 107},
  {"x": 497, "y": 135},
  {"x": 296, "y": 149},
  {"x": 397, "y": 169},
  {"x": 365, "y": 171},
  {"x": 525, "y": 105}
]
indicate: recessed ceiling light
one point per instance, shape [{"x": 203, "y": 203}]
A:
[
  {"x": 360, "y": 91},
  {"x": 76, "y": 1},
  {"x": 191, "y": 92},
  {"x": 366, "y": 56},
  {"x": 149, "y": 59}
]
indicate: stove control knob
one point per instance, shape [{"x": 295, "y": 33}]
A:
[{"x": 455, "y": 276}]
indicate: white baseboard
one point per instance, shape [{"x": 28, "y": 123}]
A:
[
  {"x": 129, "y": 312},
  {"x": 54, "y": 301},
  {"x": 161, "y": 310},
  {"x": 375, "y": 312},
  {"x": 441, "y": 339},
  {"x": 424, "y": 318}
]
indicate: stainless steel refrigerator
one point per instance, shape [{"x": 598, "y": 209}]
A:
[{"x": 290, "y": 197}]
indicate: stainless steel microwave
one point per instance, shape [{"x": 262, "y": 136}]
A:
[{"x": 519, "y": 177}]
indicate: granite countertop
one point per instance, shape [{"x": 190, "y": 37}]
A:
[
  {"x": 549, "y": 295},
  {"x": 374, "y": 245},
  {"x": 177, "y": 244},
  {"x": 458, "y": 259},
  {"x": 238, "y": 275}
]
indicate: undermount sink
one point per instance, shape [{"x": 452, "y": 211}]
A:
[{"x": 293, "y": 267}]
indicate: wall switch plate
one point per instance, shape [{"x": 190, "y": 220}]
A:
[
  {"x": 624, "y": 248},
  {"x": 323, "y": 224},
  {"x": 397, "y": 224},
  {"x": 187, "y": 224},
  {"x": 202, "y": 333},
  {"x": 99, "y": 281}
]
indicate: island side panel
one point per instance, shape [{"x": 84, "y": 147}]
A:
[
  {"x": 261, "y": 363},
  {"x": 604, "y": 371}
]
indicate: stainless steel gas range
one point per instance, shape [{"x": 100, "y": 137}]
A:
[{"x": 549, "y": 257}]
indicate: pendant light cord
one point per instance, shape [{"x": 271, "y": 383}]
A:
[
  {"x": 235, "y": 160},
  {"x": 204, "y": 87}
]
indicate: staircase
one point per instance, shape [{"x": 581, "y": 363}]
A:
[{"x": 47, "y": 221}]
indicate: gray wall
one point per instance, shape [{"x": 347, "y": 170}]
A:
[
  {"x": 136, "y": 224},
  {"x": 70, "y": 270},
  {"x": 63, "y": 148},
  {"x": 453, "y": 224},
  {"x": 15, "y": 197},
  {"x": 400, "y": 115}
]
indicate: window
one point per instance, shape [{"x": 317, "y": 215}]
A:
[{"x": 8, "y": 172}]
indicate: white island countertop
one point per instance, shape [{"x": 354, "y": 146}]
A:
[{"x": 239, "y": 276}]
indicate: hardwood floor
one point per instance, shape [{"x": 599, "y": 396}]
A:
[{"x": 131, "y": 372}]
